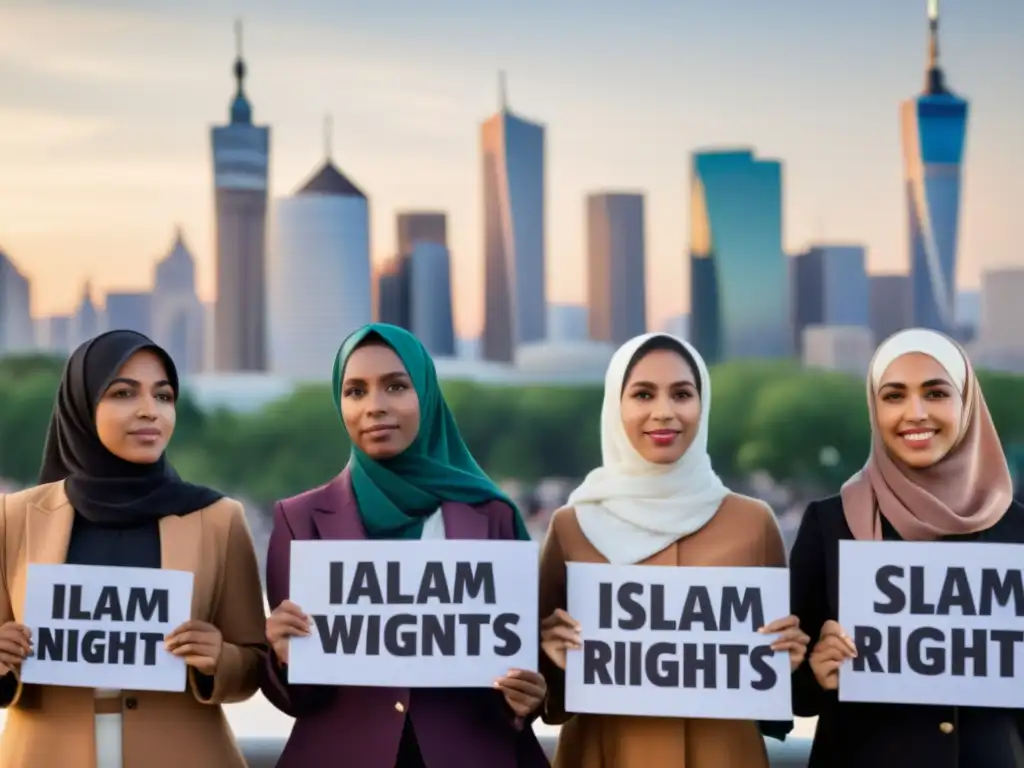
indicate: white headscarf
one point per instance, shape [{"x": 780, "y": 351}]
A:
[{"x": 630, "y": 508}]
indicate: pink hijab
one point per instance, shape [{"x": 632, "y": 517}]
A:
[{"x": 969, "y": 490}]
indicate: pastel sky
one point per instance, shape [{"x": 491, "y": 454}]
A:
[{"x": 105, "y": 107}]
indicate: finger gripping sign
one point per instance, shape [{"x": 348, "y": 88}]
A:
[
  {"x": 677, "y": 642},
  {"x": 104, "y": 627},
  {"x": 413, "y": 613},
  {"x": 933, "y": 622}
]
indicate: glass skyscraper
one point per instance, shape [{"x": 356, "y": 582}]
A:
[
  {"x": 934, "y": 128},
  {"x": 515, "y": 308},
  {"x": 739, "y": 280}
]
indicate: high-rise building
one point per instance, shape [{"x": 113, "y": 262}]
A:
[
  {"x": 414, "y": 288},
  {"x": 568, "y": 323},
  {"x": 830, "y": 288},
  {"x": 512, "y": 150},
  {"x": 999, "y": 345},
  {"x": 413, "y": 227},
  {"x": 934, "y": 127},
  {"x": 178, "y": 324},
  {"x": 17, "y": 332},
  {"x": 739, "y": 279},
  {"x": 241, "y": 155},
  {"x": 87, "y": 321},
  {"x": 318, "y": 272},
  {"x": 616, "y": 282},
  {"x": 889, "y": 304},
  {"x": 430, "y": 297},
  {"x": 130, "y": 311}
]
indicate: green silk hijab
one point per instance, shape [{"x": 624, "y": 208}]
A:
[{"x": 396, "y": 495}]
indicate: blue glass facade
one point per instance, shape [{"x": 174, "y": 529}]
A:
[
  {"x": 740, "y": 286},
  {"x": 935, "y": 127}
]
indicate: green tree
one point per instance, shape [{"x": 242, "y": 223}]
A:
[
  {"x": 25, "y": 407},
  {"x": 810, "y": 429},
  {"x": 735, "y": 387}
]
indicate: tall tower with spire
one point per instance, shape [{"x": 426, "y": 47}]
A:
[
  {"x": 934, "y": 127},
  {"x": 241, "y": 159},
  {"x": 515, "y": 304}
]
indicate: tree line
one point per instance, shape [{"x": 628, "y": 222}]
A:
[{"x": 802, "y": 427}]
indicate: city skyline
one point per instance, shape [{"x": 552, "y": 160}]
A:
[{"x": 842, "y": 183}]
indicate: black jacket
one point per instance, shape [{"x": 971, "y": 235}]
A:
[{"x": 856, "y": 735}]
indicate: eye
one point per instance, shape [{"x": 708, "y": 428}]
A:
[
  {"x": 397, "y": 387},
  {"x": 936, "y": 394},
  {"x": 167, "y": 397},
  {"x": 684, "y": 394},
  {"x": 121, "y": 393},
  {"x": 642, "y": 395},
  {"x": 352, "y": 392},
  {"x": 892, "y": 396}
]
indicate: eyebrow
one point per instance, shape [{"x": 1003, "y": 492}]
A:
[
  {"x": 136, "y": 383},
  {"x": 386, "y": 377},
  {"x": 651, "y": 385},
  {"x": 930, "y": 383}
]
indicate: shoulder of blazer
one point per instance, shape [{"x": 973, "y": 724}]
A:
[
  {"x": 750, "y": 508},
  {"x": 44, "y": 495},
  {"x": 225, "y": 509}
]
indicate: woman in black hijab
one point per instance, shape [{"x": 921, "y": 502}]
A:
[{"x": 109, "y": 497}]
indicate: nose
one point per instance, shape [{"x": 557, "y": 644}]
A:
[
  {"x": 147, "y": 407},
  {"x": 375, "y": 402},
  {"x": 915, "y": 408},
  {"x": 662, "y": 409}
]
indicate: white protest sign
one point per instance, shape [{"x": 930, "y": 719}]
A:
[
  {"x": 438, "y": 613},
  {"x": 677, "y": 642},
  {"x": 934, "y": 623},
  {"x": 104, "y": 627}
]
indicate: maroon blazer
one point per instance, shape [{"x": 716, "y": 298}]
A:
[{"x": 362, "y": 727}]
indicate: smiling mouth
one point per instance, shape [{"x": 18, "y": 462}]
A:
[
  {"x": 380, "y": 430},
  {"x": 918, "y": 437}
]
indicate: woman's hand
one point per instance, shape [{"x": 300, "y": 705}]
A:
[
  {"x": 559, "y": 632},
  {"x": 524, "y": 691},
  {"x": 287, "y": 620},
  {"x": 199, "y": 643},
  {"x": 791, "y": 639},
  {"x": 15, "y": 646},
  {"x": 834, "y": 647}
]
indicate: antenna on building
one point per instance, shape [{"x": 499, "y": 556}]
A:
[
  {"x": 502, "y": 91},
  {"x": 328, "y": 137},
  {"x": 239, "y": 62},
  {"x": 933, "y": 33}
]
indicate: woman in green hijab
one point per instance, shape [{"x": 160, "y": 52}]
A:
[{"x": 409, "y": 476}]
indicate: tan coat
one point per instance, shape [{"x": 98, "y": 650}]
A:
[
  {"x": 744, "y": 532},
  {"x": 53, "y": 726}
]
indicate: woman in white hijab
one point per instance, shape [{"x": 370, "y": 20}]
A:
[{"x": 655, "y": 500}]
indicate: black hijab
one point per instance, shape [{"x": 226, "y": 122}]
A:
[{"x": 103, "y": 488}]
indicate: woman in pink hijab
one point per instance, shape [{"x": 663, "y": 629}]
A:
[{"x": 936, "y": 471}]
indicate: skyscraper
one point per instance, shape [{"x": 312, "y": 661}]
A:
[
  {"x": 830, "y": 287},
  {"x": 318, "y": 272},
  {"x": 739, "y": 278},
  {"x": 616, "y": 283},
  {"x": 414, "y": 288},
  {"x": 241, "y": 154},
  {"x": 17, "y": 332},
  {"x": 934, "y": 128},
  {"x": 178, "y": 322},
  {"x": 512, "y": 151}
]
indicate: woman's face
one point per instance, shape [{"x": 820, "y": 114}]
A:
[
  {"x": 918, "y": 410},
  {"x": 661, "y": 406},
  {"x": 135, "y": 416},
  {"x": 378, "y": 403}
]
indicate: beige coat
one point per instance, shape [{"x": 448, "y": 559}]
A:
[
  {"x": 53, "y": 726},
  {"x": 744, "y": 532}
]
